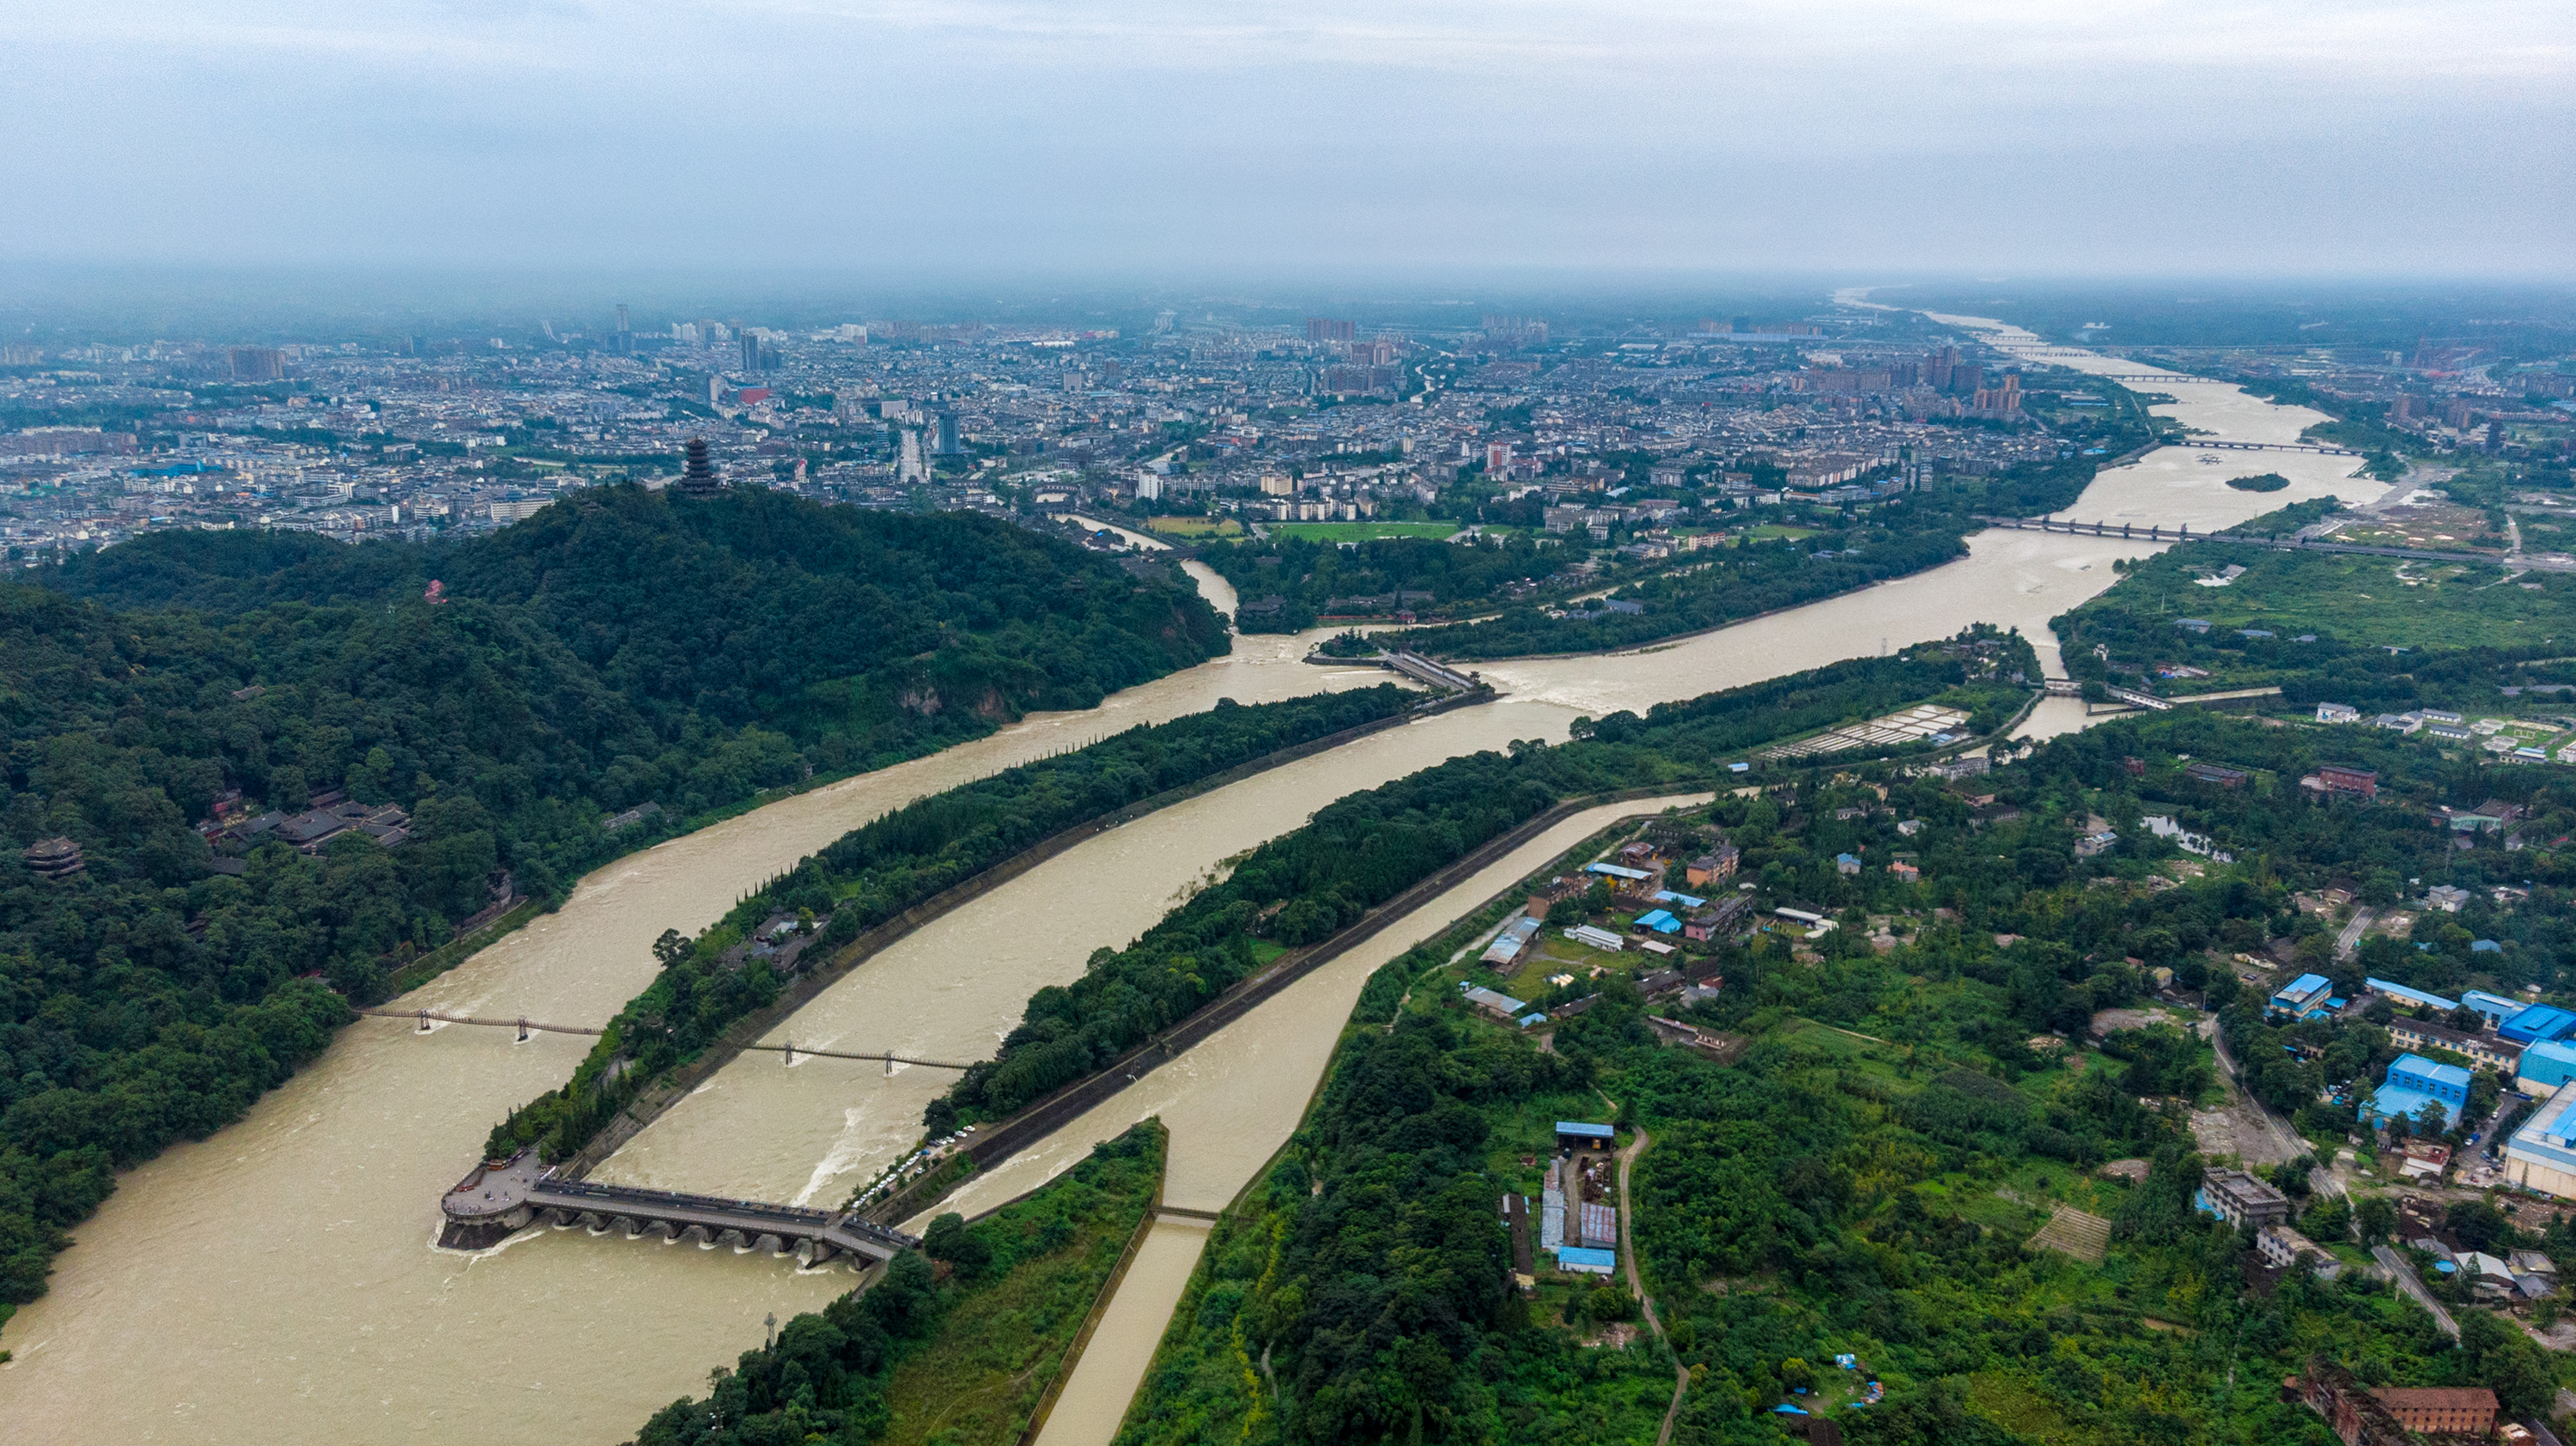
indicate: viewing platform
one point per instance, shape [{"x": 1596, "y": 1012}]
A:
[{"x": 496, "y": 1200}]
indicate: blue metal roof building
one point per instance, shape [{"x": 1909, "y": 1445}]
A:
[
  {"x": 2540, "y": 1156},
  {"x": 1659, "y": 920},
  {"x": 2302, "y": 994},
  {"x": 2546, "y": 1066},
  {"x": 2414, "y": 1082},
  {"x": 1590, "y": 1262},
  {"x": 2411, "y": 996},
  {"x": 2494, "y": 1006},
  {"x": 2539, "y": 1023}
]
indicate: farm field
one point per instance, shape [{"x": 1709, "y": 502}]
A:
[{"x": 1361, "y": 531}]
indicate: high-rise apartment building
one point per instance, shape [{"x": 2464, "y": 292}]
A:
[
  {"x": 625, "y": 338},
  {"x": 750, "y": 346},
  {"x": 1325, "y": 329},
  {"x": 257, "y": 363}
]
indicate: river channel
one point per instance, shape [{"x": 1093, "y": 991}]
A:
[{"x": 277, "y": 1283}]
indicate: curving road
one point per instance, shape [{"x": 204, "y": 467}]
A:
[{"x": 1637, "y": 1283}]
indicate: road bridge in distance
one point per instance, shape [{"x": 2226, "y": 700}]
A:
[
  {"x": 500, "y": 1198},
  {"x": 2069, "y": 688},
  {"x": 2314, "y": 449},
  {"x": 2149, "y": 532}
]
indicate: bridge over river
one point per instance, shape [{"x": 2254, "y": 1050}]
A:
[{"x": 495, "y": 1200}]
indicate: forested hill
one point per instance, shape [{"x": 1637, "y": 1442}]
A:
[
  {"x": 753, "y": 606},
  {"x": 617, "y": 650}
]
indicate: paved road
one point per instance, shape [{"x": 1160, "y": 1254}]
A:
[
  {"x": 2287, "y": 1140},
  {"x": 1637, "y": 1283},
  {"x": 2413, "y": 1285},
  {"x": 2350, "y": 938}
]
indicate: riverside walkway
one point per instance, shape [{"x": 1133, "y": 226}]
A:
[{"x": 497, "y": 1199}]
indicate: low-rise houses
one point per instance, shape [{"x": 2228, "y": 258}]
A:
[
  {"x": 2283, "y": 1248},
  {"x": 1716, "y": 865},
  {"x": 2393, "y": 1415},
  {"x": 2486, "y": 1051},
  {"x": 2240, "y": 1199}
]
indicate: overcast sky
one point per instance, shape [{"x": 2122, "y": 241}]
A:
[{"x": 2426, "y": 137}]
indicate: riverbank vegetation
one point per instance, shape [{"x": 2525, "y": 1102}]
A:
[
  {"x": 1838, "y": 550},
  {"x": 1917, "y": 1102},
  {"x": 957, "y": 1342},
  {"x": 1534, "y": 584},
  {"x": 171, "y": 700},
  {"x": 890, "y": 864},
  {"x": 1363, "y": 850},
  {"x": 2322, "y": 625}
]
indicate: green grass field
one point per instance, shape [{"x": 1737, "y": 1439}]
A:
[
  {"x": 1772, "y": 531},
  {"x": 2373, "y": 601},
  {"x": 1196, "y": 526},
  {"x": 980, "y": 1375},
  {"x": 1361, "y": 531}
]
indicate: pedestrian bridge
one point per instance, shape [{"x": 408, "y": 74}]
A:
[{"x": 498, "y": 1199}]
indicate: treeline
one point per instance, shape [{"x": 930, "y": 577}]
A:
[
  {"x": 1306, "y": 576},
  {"x": 1356, "y": 853},
  {"x": 1297, "y": 889},
  {"x": 1744, "y": 581},
  {"x": 621, "y": 648},
  {"x": 1703, "y": 590},
  {"x": 886, "y": 866},
  {"x": 1977, "y": 668},
  {"x": 921, "y": 1357}
]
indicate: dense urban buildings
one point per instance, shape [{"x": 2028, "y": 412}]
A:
[{"x": 1580, "y": 427}]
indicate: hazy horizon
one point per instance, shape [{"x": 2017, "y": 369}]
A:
[{"x": 957, "y": 138}]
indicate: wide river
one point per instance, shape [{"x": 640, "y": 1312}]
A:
[{"x": 277, "y": 1283}]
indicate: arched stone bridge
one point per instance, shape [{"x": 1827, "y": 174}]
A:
[{"x": 496, "y": 1199}]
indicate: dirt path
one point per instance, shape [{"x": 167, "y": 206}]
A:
[{"x": 1637, "y": 1283}]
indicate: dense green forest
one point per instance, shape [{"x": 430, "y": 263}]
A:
[
  {"x": 1367, "y": 848},
  {"x": 1698, "y": 591},
  {"x": 888, "y": 865},
  {"x": 1467, "y": 575},
  {"x": 621, "y": 648},
  {"x": 858, "y": 634},
  {"x": 1867, "y": 1176},
  {"x": 949, "y": 1354}
]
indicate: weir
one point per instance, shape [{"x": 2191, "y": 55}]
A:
[{"x": 499, "y": 1198}]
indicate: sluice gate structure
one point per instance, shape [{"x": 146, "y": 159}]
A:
[{"x": 498, "y": 1199}]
